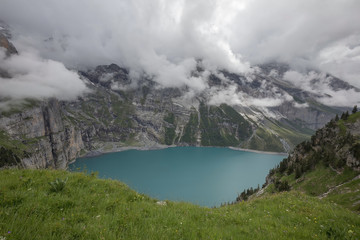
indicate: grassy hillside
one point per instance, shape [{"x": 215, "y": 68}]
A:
[
  {"x": 91, "y": 208},
  {"x": 340, "y": 187},
  {"x": 222, "y": 126},
  {"x": 327, "y": 166}
]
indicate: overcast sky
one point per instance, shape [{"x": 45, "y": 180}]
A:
[{"x": 166, "y": 37}]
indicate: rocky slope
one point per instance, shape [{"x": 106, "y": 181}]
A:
[
  {"x": 336, "y": 145},
  {"x": 40, "y": 136},
  {"x": 122, "y": 111},
  {"x": 327, "y": 166}
]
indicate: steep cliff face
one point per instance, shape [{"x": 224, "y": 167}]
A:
[
  {"x": 122, "y": 111},
  {"x": 48, "y": 140}
]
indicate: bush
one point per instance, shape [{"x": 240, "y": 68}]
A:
[
  {"x": 298, "y": 172},
  {"x": 58, "y": 185},
  {"x": 282, "y": 186},
  {"x": 8, "y": 157}
]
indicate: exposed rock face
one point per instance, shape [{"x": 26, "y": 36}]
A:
[
  {"x": 51, "y": 142},
  {"x": 119, "y": 112},
  {"x": 7, "y": 45},
  {"x": 116, "y": 114},
  {"x": 4, "y": 42},
  {"x": 312, "y": 118}
]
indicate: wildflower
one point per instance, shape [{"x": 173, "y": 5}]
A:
[{"x": 9, "y": 232}]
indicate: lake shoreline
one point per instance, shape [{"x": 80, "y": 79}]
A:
[
  {"x": 206, "y": 176},
  {"x": 258, "y": 151},
  {"x": 98, "y": 152}
]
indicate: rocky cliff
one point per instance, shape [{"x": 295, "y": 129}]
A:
[
  {"x": 45, "y": 139},
  {"x": 120, "y": 110}
]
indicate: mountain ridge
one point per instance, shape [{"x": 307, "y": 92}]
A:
[
  {"x": 120, "y": 110},
  {"x": 327, "y": 166}
]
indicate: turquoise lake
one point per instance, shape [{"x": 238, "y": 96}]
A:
[{"x": 207, "y": 176}]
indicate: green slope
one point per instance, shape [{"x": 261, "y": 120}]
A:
[
  {"x": 222, "y": 126},
  {"x": 91, "y": 208},
  {"x": 327, "y": 166}
]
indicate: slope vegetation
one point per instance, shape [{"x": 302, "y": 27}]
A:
[
  {"x": 80, "y": 206},
  {"x": 328, "y": 166}
]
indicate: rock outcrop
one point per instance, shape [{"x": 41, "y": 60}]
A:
[
  {"x": 336, "y": 146},
  {"x": 120, "y": 111},
  {"x": 50, "y": 141}
]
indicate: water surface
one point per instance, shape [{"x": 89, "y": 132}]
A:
[{"x": 207, "y": 176}]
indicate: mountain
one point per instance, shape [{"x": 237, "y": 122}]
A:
[
  {"x": 316, "y": 196},
  {"x": 327, "y": 166},
  {"x": 260, "y": 110}
]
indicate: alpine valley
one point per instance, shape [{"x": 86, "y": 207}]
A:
[
  {"x": 82, "y": 78},
  {"x": 259, "y": 110}
]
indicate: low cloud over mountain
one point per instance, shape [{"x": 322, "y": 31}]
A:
[
  {"x": 34, "y": 77},
  {"x": 165, "y": 39}
]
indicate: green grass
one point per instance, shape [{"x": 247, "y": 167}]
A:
[
  {"x": 342, "y": 127},
  {"x": 169, "y": 136},
  {"x": 91, "y": 208},
  {"x": 321, "y": 179},
  {"x": 17, "y": 147},
  {"x": 347, "y": 195},
  {"x": 190, "y": 129},
  {"x": 264, "y": 140},
  {"x": 169, "y": 131},
  {"x": 170, "y": 118},
  {"x": 293, "y": 135},
  {"x": 215, "y": 122},
  {"x": 353, "y": 117}
]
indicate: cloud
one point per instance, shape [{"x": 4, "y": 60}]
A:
[
  {"x": 162, "y": 38},
  {"x": 342, "y": 59},
  {"x": 319, "y": 84},
  {"x": 230, "y": 95},
  {"x": 166, "y": 38},
  {"x": 34, "y": 77}
]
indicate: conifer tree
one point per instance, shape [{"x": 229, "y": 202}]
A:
[
  {"x": 354, "y": 109},
  {"x": 298, "y": 172}
]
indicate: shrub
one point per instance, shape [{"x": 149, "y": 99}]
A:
[
  {"x": 282, "y": 186},
  {"x": 58, "y": 185}
]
